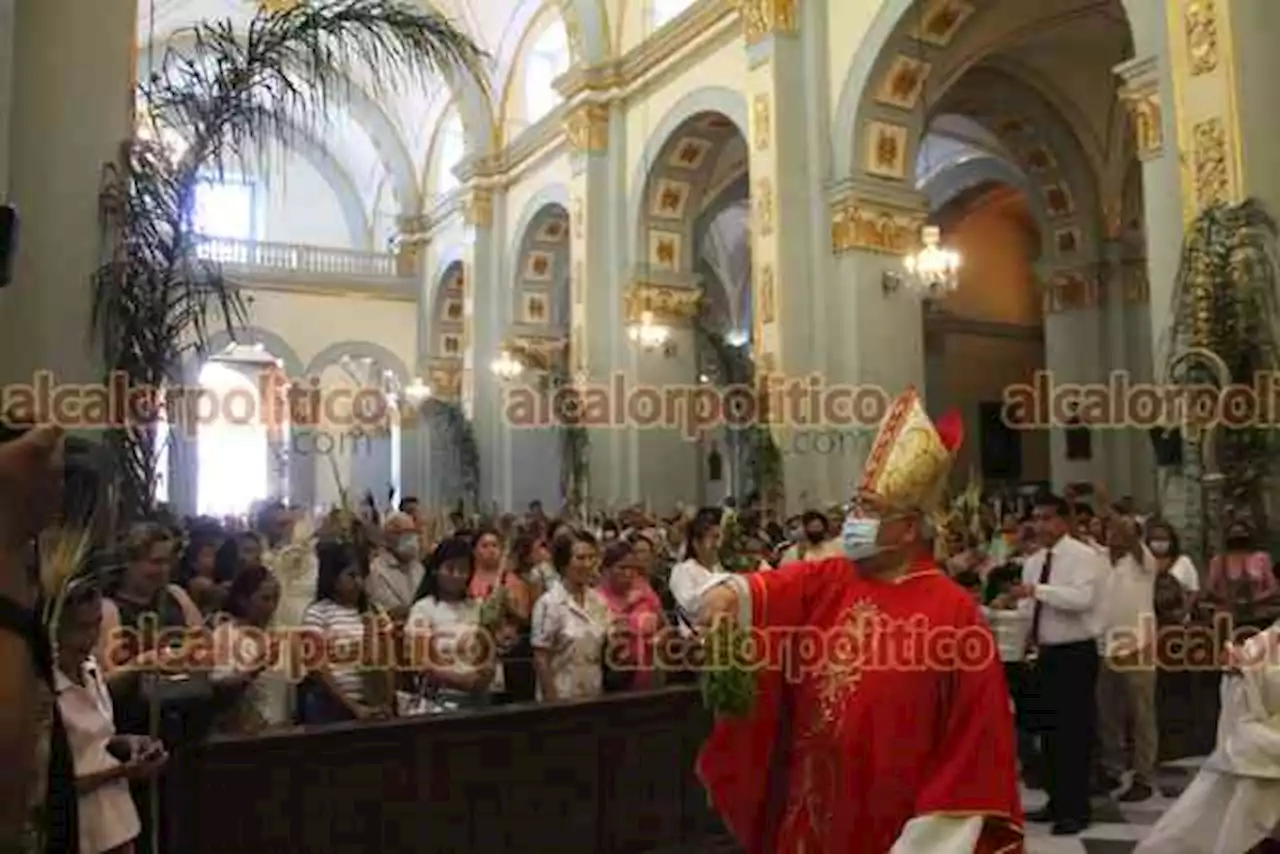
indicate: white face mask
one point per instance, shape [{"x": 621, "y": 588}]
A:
[
  {"x": 1159, "y": 548},
  {"x": 408, "y": 548},
  {"x": 858, "y": 538}
]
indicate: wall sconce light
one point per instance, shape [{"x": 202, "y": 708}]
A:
[
  {"x": 648, "y": 334},
  {"x": 506, "y": 367}
]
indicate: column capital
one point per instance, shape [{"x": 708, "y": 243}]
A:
[
  {"x": 444, "y": 377},
  {"x": 670, "y": 299},
  {"x": 1140, "y": 93},
  {"x": 587, "y": 127},
  {"x": 875, "y": 224},
  {"x": 477, "y": 207},
  {"x": 764, "y": 18}
]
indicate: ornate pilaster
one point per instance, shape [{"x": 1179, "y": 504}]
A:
[
  {"x": 587, "y": 128},
  {"x": 668, "y": 303},
  {"x": 762, "y": 19}
]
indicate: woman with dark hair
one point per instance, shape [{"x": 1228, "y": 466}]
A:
[
  {"x": 570, "y": 624},
  {"x": 343, "y": 688},
  {"x": 105, "y": 763},
  {"x": 1177, "y": 583},
  {"x": 236, "y": 553},
  {"x": 197, "y": 571},
  {"x": 531, "y": 560},
  {"x": 506, "y": 606},
  {"x": 251, "y": 662},
  {"x": 700, "y": 569},
  {"x": 637, "y": 618},
  {"x": 453, "y": 655}
]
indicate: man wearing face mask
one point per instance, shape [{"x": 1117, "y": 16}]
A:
[
  {"x": 397, "y": 572},
  {"x": 815, "y": 541},
  {"x": 888, "y": 729}
]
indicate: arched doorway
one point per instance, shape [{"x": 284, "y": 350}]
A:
[
  {"x": 694, "y": 239},
  {"x": 232, "y": 446},
  {"x": 1024, "y": 97},
  {"x": 541, "y": 460}
]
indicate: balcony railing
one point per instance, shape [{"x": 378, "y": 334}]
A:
[{"x": 297, "y": 258}]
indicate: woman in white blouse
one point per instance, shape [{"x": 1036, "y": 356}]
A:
[
  {"x": 105, "y": 763},
  {"x": 701, "y": 568},
  {"x": 251, "y": 656},
  {"x": 1162, "y": 542},
  {"x": 571, "y": 624},
  {"x": 457, "y": 662}
]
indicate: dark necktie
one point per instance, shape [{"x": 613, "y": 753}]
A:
[{"x": 1033, "y": 639}]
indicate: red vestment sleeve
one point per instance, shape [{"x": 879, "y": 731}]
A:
[
  {"x": 735, "y": 761},
  {"x": 974, "y": 768}
]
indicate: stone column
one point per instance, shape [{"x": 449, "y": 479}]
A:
[
  {"x": 71, "y": 91},
  {"x": 874, "y": 324},
  {"x": 484, "y": 320},
  {"x": 786, "y": 277},
  {"x": 597, "y": 341},
  {"x": 659, "y": 385}
]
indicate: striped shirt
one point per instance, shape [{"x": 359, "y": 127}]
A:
[{"x": 344, "y": 630}]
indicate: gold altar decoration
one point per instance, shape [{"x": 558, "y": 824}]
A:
[
  {"x": 761, "y": 18},
  {"x": 1201, "y": 20},
  {"x": 666, "y": 303},
  {"x": 587, "y": 128},
  {"x": 1210, "y": 173},
  {"x": 860, "y": 224}
]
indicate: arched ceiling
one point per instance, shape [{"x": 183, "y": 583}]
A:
[{"x": 382, "y": 140}]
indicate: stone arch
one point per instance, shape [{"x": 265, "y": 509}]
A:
[
  {"x": 358, "y": 350},
  {"x": 951, "y": 182},
  {"x": 365, "y": 111},
  {"x": 445, "y": 322},
  {"x": 719, "y": 311},
  {"x": 677, "y": 169},
  {"x": 540, "y": 264},
  {"x": 354, "y": 214},
  {"x": 879, "y": 103},
  {"x": 588, "y": 24},
  {"x": 218, "y": 341},
  {"x": 542, "y": 17},
  {"x": 1060, "y": 180}
]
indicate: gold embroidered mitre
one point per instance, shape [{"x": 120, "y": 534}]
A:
[{"x": 911, "y": 457}]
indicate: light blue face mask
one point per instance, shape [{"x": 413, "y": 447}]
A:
[{"x": 858, "y": 537}]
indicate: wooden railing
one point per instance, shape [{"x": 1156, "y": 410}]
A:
[
  {"x": 608, "y": 776},
  {"x": 297, "y": 258}
]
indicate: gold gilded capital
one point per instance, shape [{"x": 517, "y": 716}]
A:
[
  {"x": 870, "y": 226},
  {"x": 1211, "y": 173},
  {"x": 538, "y": 353},
  {"x": 444, "y": 376},
  {"x": 588, "y": 128},
  {"x": 761, "y": 18},
  {"x": 479, "y": 208},
  {"x": 667, "y": 303},
  {"x": 1143, "y": 104}
]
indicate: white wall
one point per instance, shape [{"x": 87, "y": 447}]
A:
[
  {"x": 297, "y": 205},
  {"x": 311, "y": 322}
]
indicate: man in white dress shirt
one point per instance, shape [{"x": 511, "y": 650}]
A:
[{"x": 1059, "y": 591}]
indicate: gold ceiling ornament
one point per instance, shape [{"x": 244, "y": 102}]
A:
[
  {"x": 1200, "y": 18},
  {"x": 762, "y": 18},
  {"x": 587, "y": 127},
  {"x": 858, "y": 224},
  {"x": 1143, "y": 104},
  {"x": 1210, "y": 172},
  {"x": 662, "y": 303}
]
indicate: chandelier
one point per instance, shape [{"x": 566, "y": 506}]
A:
[
  {"x": 933, "y": 270},
  {"x": 648, "y": 334},
  {"x": 506, "y": 367}
]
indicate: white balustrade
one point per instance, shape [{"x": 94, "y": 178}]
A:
[{"x": 296, "y": 258}]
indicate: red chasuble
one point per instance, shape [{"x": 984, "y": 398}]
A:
[{"x": 894, "y": 707}]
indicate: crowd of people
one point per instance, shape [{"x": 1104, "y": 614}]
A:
[{"x": 235, "y": 625}]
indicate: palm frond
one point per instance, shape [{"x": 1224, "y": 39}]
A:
[{"x": 229, "y": 95}]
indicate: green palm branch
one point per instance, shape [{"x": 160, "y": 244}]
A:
[{"x": 229, "y": 94}]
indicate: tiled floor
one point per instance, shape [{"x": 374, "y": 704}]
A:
[{"x": 1117, "y": 828}]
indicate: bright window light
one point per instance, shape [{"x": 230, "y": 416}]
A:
[
  {"x": 548, "y": 59},
  {"x": 224, "y": 209},
  {"x": 231, "y": 451}
]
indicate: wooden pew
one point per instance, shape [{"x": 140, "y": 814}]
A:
[{"x": 608, "y": 776}]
